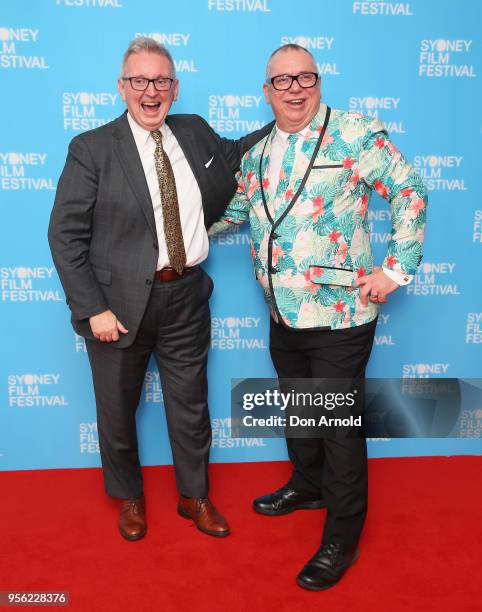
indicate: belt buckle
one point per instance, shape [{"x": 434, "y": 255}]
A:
[{"x": 168, "y": 274}]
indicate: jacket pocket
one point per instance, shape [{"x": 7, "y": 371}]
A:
[
  {"x": 326, "y": 166},
  {"x": 102, "y": 275},
  {"x": 211, "y": 161},
  {"x": 326, "y": 275}
]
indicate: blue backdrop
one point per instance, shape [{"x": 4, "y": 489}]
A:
[{"x": 414, "y": 64}]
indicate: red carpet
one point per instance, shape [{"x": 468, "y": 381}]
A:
[{"x": 420, "y": 549}]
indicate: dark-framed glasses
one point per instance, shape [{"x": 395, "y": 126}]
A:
[
  {"x": 141, "y": 83},
  {"x": 285, "y": 81}
]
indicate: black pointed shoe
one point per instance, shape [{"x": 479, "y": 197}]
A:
[
  {"x": 284, "y": 501},
  {"x": 326, "y": 567}
]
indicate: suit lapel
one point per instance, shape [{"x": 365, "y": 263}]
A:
[
  {"x": 187, "y": 142},
  {"x": 264, "y": 178},
  {"x": 126, "y": 150},
  {"x": 262, "y": 175}
]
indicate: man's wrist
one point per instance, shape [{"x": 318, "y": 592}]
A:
[{"x": 398, "y": 277}]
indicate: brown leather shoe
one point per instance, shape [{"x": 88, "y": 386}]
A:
[
  {"x": 204, "y": 514},
  {"x": 132, "y": 519}
]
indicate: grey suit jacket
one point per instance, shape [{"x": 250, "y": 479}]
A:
[{"x": 102, "y": 231}]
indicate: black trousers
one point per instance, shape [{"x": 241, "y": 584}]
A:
[
  {"x": 176, "y": 328},
  {"x": 332, "y": 469}
]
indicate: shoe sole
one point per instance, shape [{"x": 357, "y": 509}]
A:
[
  {"x": 312, "y": 587},
  {"x": 314, "y": 505},
  {"x": 132, "y": 538},
  {"x": 215, "y": 534}
]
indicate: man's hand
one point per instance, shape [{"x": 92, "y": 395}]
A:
[
  {"x": 106, "y": 327},
  {"x": 375, "y": 286}
]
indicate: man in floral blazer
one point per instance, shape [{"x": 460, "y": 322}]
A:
[{"x": 305, "y": 189}]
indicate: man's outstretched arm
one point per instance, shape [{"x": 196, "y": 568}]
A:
[
  {"x": 237, "y": 211},
  {"x": 234, "y": 150}
]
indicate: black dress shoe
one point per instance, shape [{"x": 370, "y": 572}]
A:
[
  {"x": 284, "y": 501},
  {"x": 326, "y": 567}
]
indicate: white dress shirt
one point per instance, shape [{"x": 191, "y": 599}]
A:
[
  {"x": 196, "y": 243},
  {"x": 278, "y": 148}
]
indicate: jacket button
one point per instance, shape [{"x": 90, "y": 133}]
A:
[
  {"x": 148, "y": 281},
  {"x": 274, "y": 235},
  {"x": 272, "y": 270},
  {"x": 154, "y": 246}
]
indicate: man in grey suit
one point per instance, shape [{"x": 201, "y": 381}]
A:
[{"x": 127, "y": 234}]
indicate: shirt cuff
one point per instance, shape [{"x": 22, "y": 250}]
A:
[{"x": 398, "y": 277}]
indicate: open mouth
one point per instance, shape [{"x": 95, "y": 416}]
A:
[
  {"x": 296, "y": 102},
  {"x": 150, "y": 107}
]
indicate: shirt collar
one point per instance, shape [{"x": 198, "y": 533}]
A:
[
  {"x": 283, "y": 136},
  {"x": 312, "y": 125},
  {"x": 141, "y": 136}
]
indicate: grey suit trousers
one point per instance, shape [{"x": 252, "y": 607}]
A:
[{"x": 176, "y": 328}]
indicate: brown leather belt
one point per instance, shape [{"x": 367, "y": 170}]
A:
[{"x": 169, "y": 274}]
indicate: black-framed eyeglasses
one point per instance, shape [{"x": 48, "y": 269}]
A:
[
  {"x": 141, "y": 83},
  {"x": 285, "y": 81}
]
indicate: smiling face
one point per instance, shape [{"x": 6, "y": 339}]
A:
[
  {"x": 148, "y": 108},
  {"x": 295, "y": 107}
]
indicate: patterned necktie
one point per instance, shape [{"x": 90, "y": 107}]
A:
[
  {"x": 286, "y": 166},
  {"x": 170, "y": 206}
]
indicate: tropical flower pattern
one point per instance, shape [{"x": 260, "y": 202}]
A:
[{"x": 322, "y": 244}]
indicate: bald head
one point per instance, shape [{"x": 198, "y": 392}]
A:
[{"x": 284, "y": 49}]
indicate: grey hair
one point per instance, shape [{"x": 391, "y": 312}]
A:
[
  {"x": 144, "y": 44},
  {"x": 288, "y": 47}
]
